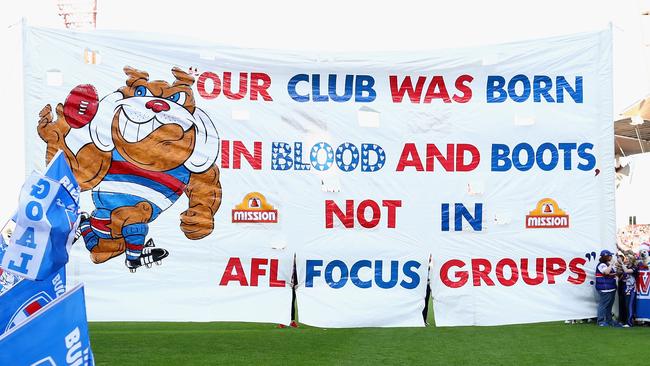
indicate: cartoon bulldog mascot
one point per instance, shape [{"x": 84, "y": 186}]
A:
[{"x": 138, "y": 150}]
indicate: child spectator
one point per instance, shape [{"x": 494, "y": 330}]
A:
[{"x": 628, "y": 278}]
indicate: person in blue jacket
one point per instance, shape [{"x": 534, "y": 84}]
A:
[{"x": 606, "y": 287}]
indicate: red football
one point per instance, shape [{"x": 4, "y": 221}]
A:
[{"x": 81, "y": 105}]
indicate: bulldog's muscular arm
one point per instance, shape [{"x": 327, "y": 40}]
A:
[
  {"x": 89, "y": 165},
  {"x": 204, "y": 192}
]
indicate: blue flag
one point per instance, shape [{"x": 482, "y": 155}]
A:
[
  {"x": 59, "y": 170},
  {"x": 27, "y": 297},
  {"x": 45, "y": 223},
  {"x": 55, "y": 335}
]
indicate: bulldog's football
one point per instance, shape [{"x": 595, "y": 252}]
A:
[{"x": 81, "y": 105}]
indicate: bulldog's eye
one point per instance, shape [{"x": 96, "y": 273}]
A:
[
  {"x": 142, "y": 91},
  {"x": 177, "y": 97}
]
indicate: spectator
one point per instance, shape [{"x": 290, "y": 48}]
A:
[
  {"x": 628, "y": 278},
  {"x": 606, "y": 287},
  {"x": 620, "y": 290}
]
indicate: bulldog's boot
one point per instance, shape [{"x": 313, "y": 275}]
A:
[{"x": 150, "y": 254}]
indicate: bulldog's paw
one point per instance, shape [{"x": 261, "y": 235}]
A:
[
  {"x": 197, "y": 222},
  {"x": 50, "y": 130}
]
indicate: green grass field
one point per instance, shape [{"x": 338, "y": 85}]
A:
[{"x": 264, "y": 344}]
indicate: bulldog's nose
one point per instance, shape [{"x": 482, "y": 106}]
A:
[{"x": 157, "y": 105}]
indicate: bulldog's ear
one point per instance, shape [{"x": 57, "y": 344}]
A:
[
  {"x": 182, "y": 78},
  {"x": 134, "y": 74}
]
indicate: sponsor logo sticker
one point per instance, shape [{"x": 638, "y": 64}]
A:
[
  {"x": 547, "y": 215},
  {"x": 254, "y": 209}
]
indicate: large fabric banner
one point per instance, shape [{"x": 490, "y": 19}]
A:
[{"x": 208, "y": 173}]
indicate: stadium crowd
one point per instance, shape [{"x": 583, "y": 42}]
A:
[{"x": 631, "y": 237}]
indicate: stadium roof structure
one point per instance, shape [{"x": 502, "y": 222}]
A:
[{"x": 632, "y": 129}]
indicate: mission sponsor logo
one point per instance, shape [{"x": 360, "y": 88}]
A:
[
  {"x": 547, "y": 215},
  {"x": 254, "y": 209}
]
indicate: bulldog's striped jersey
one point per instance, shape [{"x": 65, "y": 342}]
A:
[{"x": 125, "y": 184}]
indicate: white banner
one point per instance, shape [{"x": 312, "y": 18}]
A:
[
  {"x": 362, "y": 281},
  {"x": 223, "y": 164}
]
